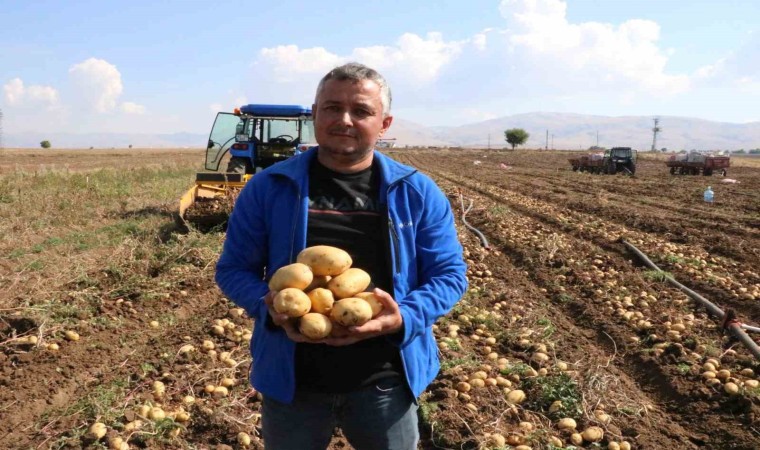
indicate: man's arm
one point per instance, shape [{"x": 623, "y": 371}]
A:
[
  {"x": 442, "y": 272},
  {"x": 240, "y": 270}
]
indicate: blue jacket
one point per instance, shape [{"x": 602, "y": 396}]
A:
[{"x": 267, "y": 230}]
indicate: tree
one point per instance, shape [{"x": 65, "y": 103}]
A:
[
  {"x": 45, "y": 144},
  {"x": 516, "y": 136}
]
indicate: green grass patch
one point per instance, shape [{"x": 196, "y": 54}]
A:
[
  {"x": 454, "y": 362},
  {"x": 547, "y": 327},
  {"x": 657, "y": 275},
  {"x": 544, "y": 391}
]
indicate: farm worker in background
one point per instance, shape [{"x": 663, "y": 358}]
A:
[{"x": 396, "y": 224}]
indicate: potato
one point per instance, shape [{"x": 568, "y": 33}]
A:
[
  {"x": 319, "y": 281},
  {"x": 315, "y": 326},
  {"x": 321, "y": 300},
  {"x": 593, "y": 434},
  {"x": 325, "y": 260},
  {"x": 295, "y": 275},
  {"x": 373, "y": 300},
  {"x": 349, "y": 283},
  {"x": 351, "y": 311},
  {"x": 293, "y": 302}
]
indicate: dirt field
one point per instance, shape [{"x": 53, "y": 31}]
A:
[{"x": 558, "y": 308}]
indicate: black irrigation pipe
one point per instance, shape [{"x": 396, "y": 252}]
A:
[
  {"x": 729, "y": 321},
  {"x": 483, "y": 239}
]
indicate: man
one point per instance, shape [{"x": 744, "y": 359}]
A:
[{"x": 396, "y": 224}]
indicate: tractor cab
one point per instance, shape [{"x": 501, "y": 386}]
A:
[
  {"x": 257, "y": 136},
  {"x": 620, "y": 159},
  {"x": 621, "y": 155}
]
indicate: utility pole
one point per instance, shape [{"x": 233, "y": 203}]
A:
[
  {"x": 547, "y": 139},
  {"x": 655, "y": 130}
]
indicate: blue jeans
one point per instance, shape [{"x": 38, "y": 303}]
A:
[{"x": 379, "y": 417}]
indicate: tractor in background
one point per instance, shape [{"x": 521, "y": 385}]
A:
[
  {"x": 612, "y": 161},
  {"x": 255, "y": 136}
]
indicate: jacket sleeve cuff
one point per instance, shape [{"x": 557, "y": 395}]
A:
[{"x": 402, "y": 336}]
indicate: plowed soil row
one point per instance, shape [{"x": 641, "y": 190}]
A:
[{"x": 683, "y": 397}]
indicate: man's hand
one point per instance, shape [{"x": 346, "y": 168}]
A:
[
  {"x": 283, "y": 321},
  {"x": 388, "y": 321}
]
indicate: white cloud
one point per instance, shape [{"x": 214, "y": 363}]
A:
[
  {"x": 600, "y": 53},
  {"x": 16, "y": 94},
  {"x": 132, "y": 108},
  {"x": 479, "y": 41},
  {"x": 215, "y": 107},
  {"x": 418, "y": 58},
  {"x": 289, "y": 63},
  {"x": 739, "y": 69},
  {"x": 98, "y": 83}
]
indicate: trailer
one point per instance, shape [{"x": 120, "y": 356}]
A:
[
  {"x": 593, "y": 162},
  {"x": 695, "y": 163}
]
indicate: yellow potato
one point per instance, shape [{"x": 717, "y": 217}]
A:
[
  {"x": 315, "y": 326},
  {"x": 319, "y": 281},
  {"x": 351, "y": 311},
  {"x": 295, "y": 275},
  {"x": 321, "y": 300},
  {"x": 373, "y": 300},
  {"x": 293, "y": 302},
  {"x": 325, "y": 260},
  {"x": 350, "y": 282}
]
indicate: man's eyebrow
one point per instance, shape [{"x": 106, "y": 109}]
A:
[{"x": 364, "y": 104}]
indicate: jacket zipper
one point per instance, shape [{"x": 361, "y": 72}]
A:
[
  {"x": 394, "y": 235},
  {"x": 395, "y": 244},
  {"x": 295, "y": 222}
]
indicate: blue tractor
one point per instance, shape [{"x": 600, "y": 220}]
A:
[
  {"x": 255, "y": 136},
  {"x": 258, "y": 136}
]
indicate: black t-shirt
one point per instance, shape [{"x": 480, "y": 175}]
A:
[{"x": 345, "y": 212}]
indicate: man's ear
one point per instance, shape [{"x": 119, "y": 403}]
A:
[
  {"x": 314, "y": 111},
  {"x": 387, "y": 120}
]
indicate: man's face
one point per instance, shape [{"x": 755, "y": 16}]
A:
[{"x": 348, "y": 120}]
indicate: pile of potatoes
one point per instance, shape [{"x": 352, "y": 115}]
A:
[{"x": 322, "y": 288}]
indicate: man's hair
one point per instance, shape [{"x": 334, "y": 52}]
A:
[{"x": 356, "y": 72}]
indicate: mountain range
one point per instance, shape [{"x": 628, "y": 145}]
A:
[{"x": 554, "y": 130}]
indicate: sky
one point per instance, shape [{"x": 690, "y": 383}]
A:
[{"x": 169, "y": 66}]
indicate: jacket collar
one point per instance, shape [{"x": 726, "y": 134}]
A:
[{"x": 295, "y": 167}]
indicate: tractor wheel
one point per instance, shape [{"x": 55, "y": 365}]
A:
[
  {"x": 575, "y": 168},
  {"x": 240, "y": 165},
  {"x": 707, "y": 172},
  {"x": 612, "y": 168},
  {"x": 631, "y": 168},
  {"x": 672, "y": 170}
]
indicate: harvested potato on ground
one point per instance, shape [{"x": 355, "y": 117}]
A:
[
  {"x": 293, "y": 302},
  {"x": 325, "y": 260},
  {"x": 351, "y": 311},
  {"x": 296, "y": 275},
  {"x": 322, "y": 300},
  {"x": 349, "y": 283},
  {"x": 319, "y": 281},
  {"x": 315, "y": 326},
  {"x": 373, "y": 300}
]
